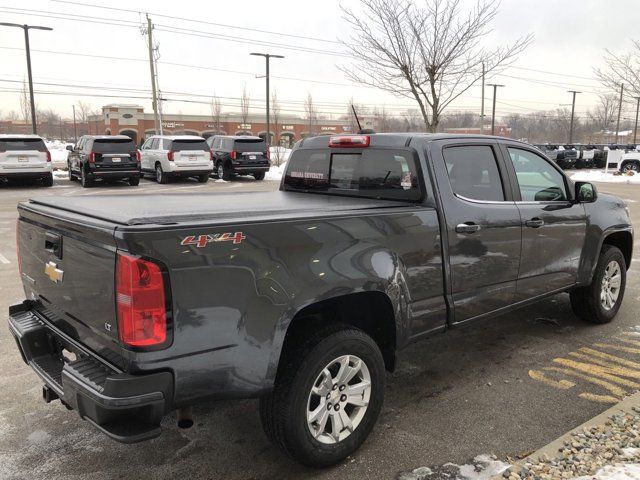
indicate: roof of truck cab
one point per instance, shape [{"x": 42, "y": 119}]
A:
[
  {"x": 19, "y": 135},
  {"x": 108, "y": 137},
  {"x": 178, "y": 137}
]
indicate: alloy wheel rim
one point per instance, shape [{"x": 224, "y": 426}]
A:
[
  {"x": 611, "y": 283},
  {"x": 220, "y": 171},
  {"x": 339, "y": 399},
  {"x": 158, "y": 174}
]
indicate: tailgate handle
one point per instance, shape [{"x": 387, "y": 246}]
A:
[{"x": 53, "y": 243}]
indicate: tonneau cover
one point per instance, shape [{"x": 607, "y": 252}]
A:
[{"x": 163, "y": 209}]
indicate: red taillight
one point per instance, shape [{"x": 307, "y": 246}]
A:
[
  {"x": 350, "y": 141},
  {"x": 140, "y": 301},
  {"x": 233, "y": 155},
  {"x": 48, "y": 156},
  {"x": 138, "y": 157},
  {"x": 170, "y": 155},
  {"x": 211, "y": 155},
  {"x": 92, "y": 157},
  {"x": 268, "y": 154}
]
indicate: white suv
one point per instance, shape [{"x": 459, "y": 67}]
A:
[
  {"x": 25, "y": 156},
  {"x": 176, "y": 156}
]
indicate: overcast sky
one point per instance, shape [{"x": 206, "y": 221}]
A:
[{"x": 570, "y": 38}]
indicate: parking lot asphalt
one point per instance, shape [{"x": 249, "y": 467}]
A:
[{"x": 506, "y": 386}]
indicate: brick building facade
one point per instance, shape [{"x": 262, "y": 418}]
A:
[{"x": 131, "y": 120}]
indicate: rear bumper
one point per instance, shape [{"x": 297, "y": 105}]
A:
[
  {"x": 111, "y": 174},
  {"x": 249, "y": 169},
  {"x": 190, "y": 173},
  {"x": 127, "y": 408},
  {"x": 26, "y": 173}
]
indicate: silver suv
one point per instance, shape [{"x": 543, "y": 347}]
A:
[
  {"x": 25, "y": 156},
  {"x": 168, "y": 156}
]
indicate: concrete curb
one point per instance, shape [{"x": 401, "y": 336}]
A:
[{"x": 551, "y": 450}]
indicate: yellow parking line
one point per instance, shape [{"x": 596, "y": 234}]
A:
[
  {"x": 599, "y": 398},
  {"x": 617, "y": 347},
  {"x": 614, "y": 389},
  {"x": 596, "y": 371},
  {"x": 561, "y": 384},
  {"x": 613, "y": 358},
  {"x": 614, "y": 369},
  {"x": 635, "y": 343}
]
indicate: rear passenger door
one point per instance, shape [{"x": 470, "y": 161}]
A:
[
  {"x": 483, "y": 226},
  {"x": 554, "y": 226}
]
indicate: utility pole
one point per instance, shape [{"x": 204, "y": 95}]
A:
[
  {"x": 482, "y": 103},
  {"x": 619, "y": 111},
  {"x": 493, "y": 110},
  {"x": 573, "y": 109},
  {"x": 26, "y": 28},
  {"x": 75, "y": 129},
  {"x": 154, "y": 99},
  {"x": 267, "y": 56},
  {"x": 635, "y": 129}
]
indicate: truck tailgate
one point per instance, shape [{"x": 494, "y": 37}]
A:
[{"x": 68, "y": 269}]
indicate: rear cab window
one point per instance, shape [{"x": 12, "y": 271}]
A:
[
  {"x": 388, "y": 174},
  {"x": 473, "y": 173},
  {"x": 113, "y": 145},
  {"x": 22, "y": 144},
  {"x": 192, "y": 145}
]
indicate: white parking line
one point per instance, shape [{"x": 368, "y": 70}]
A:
[{"x": 4, "y": 260}]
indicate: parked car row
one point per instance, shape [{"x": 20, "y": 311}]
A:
[
  {"x": 624, "y": 157},
  {"x": 104, "y": 158}
]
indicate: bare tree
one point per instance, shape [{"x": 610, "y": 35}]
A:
[
  {"x": 13, "y": 115},
  {"x": 216, "y": 112},
  {"x": 83, "y": 110},
  {"x": 621, "y": 68},
  {"x": 311, "y": 113},
  {"x": 431, "y": 54},
  {"x": 244, "y": 106},
  {"x": 605, "y": 111},
  {"x": 275, "y": 115}
]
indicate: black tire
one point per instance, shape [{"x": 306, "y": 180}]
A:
[
  {"x": 84, "y": 180},
  {"x": 259, "y": 176},
  {"x": 632, "y": 165},
  {"x": 283, "y": 411},
  {"x": 204, "y": 178},
  {"x": 134, "y": 181},
  {"x": 223, "y": 171},
  {"x": 72, "y": 177},
  {"x": 586, "y": 302},
  {"x": 48, "y": 181},
  {"x": 161, "y": 177}
]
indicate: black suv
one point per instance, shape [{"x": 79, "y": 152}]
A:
[
  {"x": 105, "y": 157},
  {"x": 239, "y": 155}
]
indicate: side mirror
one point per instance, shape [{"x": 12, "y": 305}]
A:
[
  {"x": 586, "y": 192},
  {"x": 70, "y": 148}
]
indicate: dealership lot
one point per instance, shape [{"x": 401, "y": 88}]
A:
[{"x": 504, "y": 387}]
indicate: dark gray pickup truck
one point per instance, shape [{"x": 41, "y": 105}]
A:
[{"x": 140, "y": 305}]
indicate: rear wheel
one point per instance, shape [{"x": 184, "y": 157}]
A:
[
  {"x": 85, "y": 181},
  {"x": 632, "y": 166},
  {"x": 134, "y": 181},
  {"x": 204, "y": 178},
  {"x": 259, "y": 176},
  {"x": 161, "y": 177},
  {"x": 48, "y": 180},
  {"x": 600, "y": 301},
  {"x": 223, "y": 171},
  {"x": 72, "y": 177},
  {"x": 327, "y": 396}
]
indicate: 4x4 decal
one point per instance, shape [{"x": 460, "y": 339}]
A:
[{"x": 201, "y": 241}]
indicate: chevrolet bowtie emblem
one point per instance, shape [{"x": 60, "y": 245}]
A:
[{"x": 52, "y": 271}]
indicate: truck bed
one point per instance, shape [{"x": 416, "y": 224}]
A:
[{"x": 219, "y": 208}]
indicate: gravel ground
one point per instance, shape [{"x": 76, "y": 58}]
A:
[{"x": 587, "y": 452}]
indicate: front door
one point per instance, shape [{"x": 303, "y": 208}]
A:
[
  {"x": 554, "y": 226},
  {"x": 483, "y": 227}
]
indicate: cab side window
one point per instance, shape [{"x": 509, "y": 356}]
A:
[
  {"x": 473, "y": 172},
  {"x": 538, "y": 180}
]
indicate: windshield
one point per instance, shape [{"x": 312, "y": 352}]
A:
[
  {"x": 22, "y": 144},
  {"x": 250, "y": 145},
  {"x": 384, "y": 174},
  {"x": 181, "y": 145},
  {"x": 114, "y": 145}
]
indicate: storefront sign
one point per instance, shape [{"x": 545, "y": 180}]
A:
[
  {"x": 287, "y": 127},
  {"x": 328, "y": 129},
  {"x": 172, "y": 124},
  {"x": 244, "y": 126}
]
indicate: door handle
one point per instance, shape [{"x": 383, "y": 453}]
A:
[
  {"x": 534, "y": 222},
  {"x": 467, "y": 227}
]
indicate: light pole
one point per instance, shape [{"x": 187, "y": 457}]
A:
[
  {"x": 75, "y": 130},
  {"x": 635, "y": 129},
  {"x": 267, "y": 56},
  {"x": 573, "y": 109},
  {"x": 26, "y": 28},
  {"x": 493, "y": 110}
]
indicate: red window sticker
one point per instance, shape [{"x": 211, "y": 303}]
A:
[{"x": 202, "y": 241}]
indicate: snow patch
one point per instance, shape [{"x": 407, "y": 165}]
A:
[
  {"x": 600, "y": 176},
  {"x": 483, "y": 467},
  {"x": 275, "y": 173},
  {"x": 59, "y": 152},
  {"x": 615, "y": 472}
]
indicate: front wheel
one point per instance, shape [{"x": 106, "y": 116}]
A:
[
  {"x": 259, "y": 176},
  {"x": 161, "y": 177},
  {"x": 85, "y": 181},
  {"x": 600, "y": 301},
  {"x": 48, "y": 180},
  {"x": 326, "y": 398},
  {"x": 631, "y": 167}
]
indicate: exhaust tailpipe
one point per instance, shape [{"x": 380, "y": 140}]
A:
[{"x": 185, "y": 417}]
